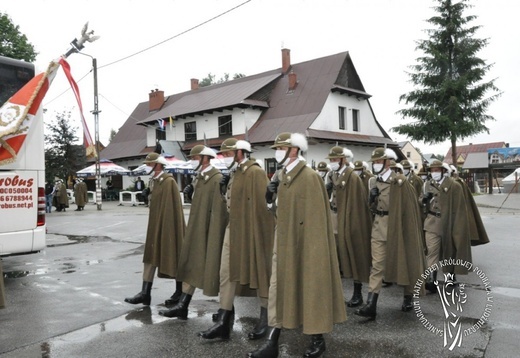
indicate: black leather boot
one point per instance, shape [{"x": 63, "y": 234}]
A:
[
  {"x": 220, "y": 330},
  {"x": 369, "y": 310},
  {"x": 174, "y": 299},
  {"x": 143, "y": 297},
  {"x": 407, "y": 303},
  {"x": 215, "y": 316},
  {"x": 357, "y": 297},
  {"x": 260, "y": 329},
  {"x": 180, "y": 310},
  {"x": 270, "y": 348},
  {"x": 430, "y": 283},
  {"x": 317, "y": 346}
]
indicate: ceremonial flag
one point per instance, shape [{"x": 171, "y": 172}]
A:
[
  {"x": 87, "y": 139},
  {"x": 161, "y": 124},
  {"x": 17, "y": 114}
]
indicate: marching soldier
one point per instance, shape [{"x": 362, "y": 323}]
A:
[
  {"x": 248, "y": 240},
  {"x": 446, "y": 225},
  {"x": 305, "y": 286},
  {"x": 199, "y": 263},
  {"x": 364, "y": 174},
  {"x": 62, "y": 199},
  {"x": 397, "y": 238},
  {"x": 164, "y": 234},
  {"x": 408, "y": 172},
  {"x": 352, "y": 220},
  {"x": 396, "y": 167},
  {"x": 80, "y": 194}
]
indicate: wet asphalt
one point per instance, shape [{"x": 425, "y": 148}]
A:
[{"x": 67, "y": 301}]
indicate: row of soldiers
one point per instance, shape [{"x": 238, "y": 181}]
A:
[{"x": 285, "y": 240}]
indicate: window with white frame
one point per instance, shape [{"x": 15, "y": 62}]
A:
[
  {"x": 341, "y": 115},
  {"x": 190, "y": 131},
  {"x": 355, "y": 120},
  {"x": 225, "y": 125}
]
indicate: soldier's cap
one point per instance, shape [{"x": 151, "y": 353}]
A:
[
  {"x": 202, "y": 150},
  {"x": 323, "y": 167},
  {"x": 340, "y": 152},
  {"x": 383, "y": 153},
  {"x": 291, "y": 140},
  {"x": 406, "y": 164},
  {"x": 438, "y": 164},
  {"x": 358, "y": 165},
  {"x": 154, "y": 158},
  {"x": 235, "y": 144}
]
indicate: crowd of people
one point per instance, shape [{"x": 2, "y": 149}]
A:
[{"x": 290, "y": 245}]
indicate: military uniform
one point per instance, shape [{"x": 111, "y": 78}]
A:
[
  {"x": 80, "y": 194},
  {"x": 306, "y": 288},
  {"x": 248, "y": 241},
  {"x": 364, "y": 174},
  {"x": 414, "y": 180},
  {"x": 165, "y": 231},
  {"x": 202, "y": 246},
  {"x": 397, "y": 240}
]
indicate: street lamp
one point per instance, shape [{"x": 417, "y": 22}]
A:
[{"x": 77, "y": 46}]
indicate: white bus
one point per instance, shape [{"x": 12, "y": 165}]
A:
[{"x": 22, "y": 183}]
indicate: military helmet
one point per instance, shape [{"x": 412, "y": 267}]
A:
[
  {"x": 383, "y": 153},
  {"x": 202, "y": 150},
  {"x": 438, "y": 164},
  {"x": 358, "y": 165},
  {"x": 406, "y": 164},
  {"x": 153, "y": 158},
  {"x": 291, "y": 140},
  {"x": 235, "y": 144},
  {"x": 323, "y": 167},
  {"x": 423, "y": 170}
]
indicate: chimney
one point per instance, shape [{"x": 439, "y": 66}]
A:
[
  {"x": 286, "y": 60},
  {"x": 194, "y": 83},
  {"x": 292, "y": 81},
  {"x": 156, "y": 100}
]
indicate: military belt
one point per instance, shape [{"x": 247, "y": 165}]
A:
[
  {"x": 381, "y": 212},
  {"x": 436, "y": 214}
]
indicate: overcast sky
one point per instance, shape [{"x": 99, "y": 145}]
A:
[{"x": 379, "y": 34}]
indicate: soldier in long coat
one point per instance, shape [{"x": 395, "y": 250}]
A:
[
  {"x": 397, "y": 241},
  {"x": 354, "y": 222},
  {"x": 199, "y": 263},
  {"x": 165, "y": 230},
  {"x": 80, "y": 194},
  {"x": 306, "y": 288},
  {"x": 248, "y": 241},
  {"x": 62, "y": 199},
  {"x": 413, "y": 178},
  {"x": 364, "y": 174}
]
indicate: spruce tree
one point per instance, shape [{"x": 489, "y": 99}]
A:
[{"x": 450, "y": 99}]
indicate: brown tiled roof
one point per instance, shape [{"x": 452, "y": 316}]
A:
[
  {"x": 130, "y": 139},
  {"x": 464, "y": 150},
  {"x": 350, "y": 138},
  {"x": 211, "y": 98}
]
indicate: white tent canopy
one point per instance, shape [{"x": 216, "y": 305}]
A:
[
  {"x": 106, "y": 168},
  {"x": 511, "y": 177}
]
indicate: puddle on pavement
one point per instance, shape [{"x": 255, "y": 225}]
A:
[{"x": 134, "y": 319}]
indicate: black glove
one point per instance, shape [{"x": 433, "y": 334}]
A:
[
  {"x": 188, "y": 190},
  {"x": 272, "y": 188},
  {"x": 374, "y": 193},
  {"x": 223, "y": 183},
  {"x": 426, "y": 198}
]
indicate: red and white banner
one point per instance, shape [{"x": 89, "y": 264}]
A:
[
  {"x": 87, "y": 139},
  {"x": 17, "y": 114}
]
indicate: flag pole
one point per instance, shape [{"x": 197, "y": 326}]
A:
[{"x": 76, "y": 47}]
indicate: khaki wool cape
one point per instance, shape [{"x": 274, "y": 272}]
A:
[
  {"x": 80, "y": 194},
  {"x": 62, "y": 197},
  {"x": 309, "y": 289},
  {"x": 354, "y": 225},
  {"x": 477, "y": 231},
  {"x": 251, "y": 229},
  {"x": 416, "y": 182},
  {"x": 201, "y": 251},
  {"x": 365, "y": 177},
  {"x": 165, "y": 227},
  {"x": 455, "y": 242},
  {"x": 405, "y": 248}
]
